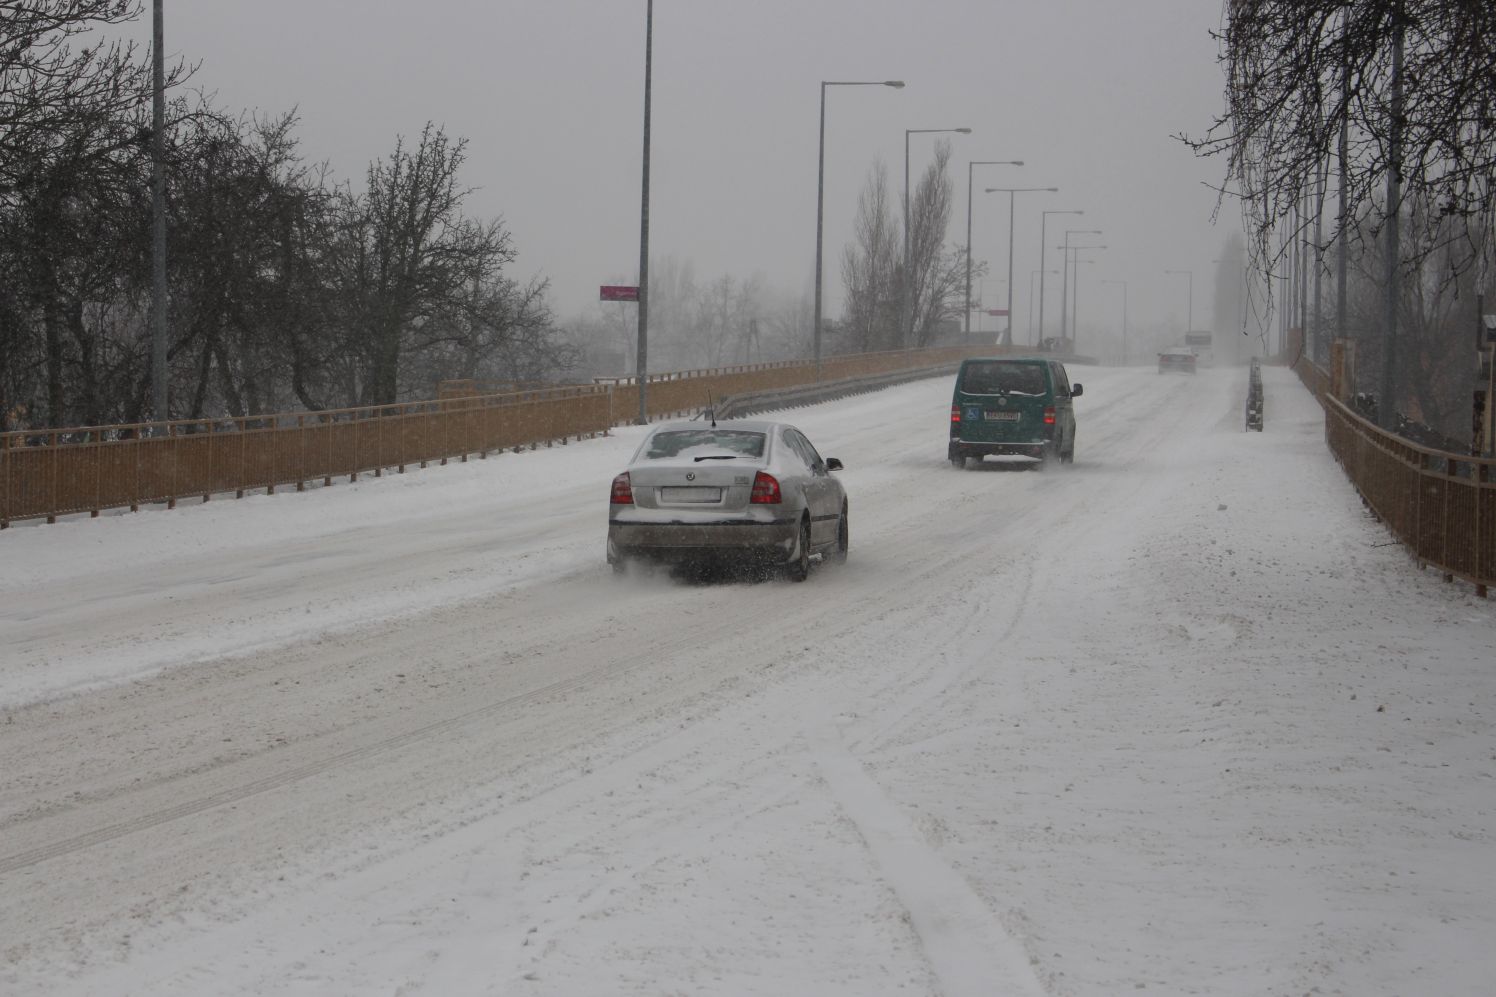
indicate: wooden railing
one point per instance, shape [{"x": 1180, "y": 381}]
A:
[
  {"x": 1441, "y": 505},
  {"x": 55, "y": 472}
]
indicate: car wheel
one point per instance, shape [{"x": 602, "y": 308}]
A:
[
  {"x": 959, "y": 463},
  {"x": 620, "y": 567},
  {"x": 799, "y": 568},
  {"x": 843, "y": 538},
  {"x": 1068, "y": 456}
]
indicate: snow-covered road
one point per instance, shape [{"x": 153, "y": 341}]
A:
[{"x": 1176, "y": 719}]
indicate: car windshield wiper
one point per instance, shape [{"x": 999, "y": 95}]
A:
[{"x": 717, "y": 456}]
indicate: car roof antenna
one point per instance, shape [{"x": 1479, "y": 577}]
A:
[{"x": 711, "y": 409}]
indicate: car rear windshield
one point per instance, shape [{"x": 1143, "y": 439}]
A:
[
  {"x": 1003, "y": 377},
  {"x": 675, "y": 442}
]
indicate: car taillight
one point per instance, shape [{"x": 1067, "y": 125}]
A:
[
  {"x": 623, "y": 492},
  {"x": 955, "y": 413},
  {"x": 1049, "y": 415},
  {"x": 765, "y": 490}
]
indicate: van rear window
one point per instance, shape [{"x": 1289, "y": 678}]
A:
[{"x": 994, "y": 377}]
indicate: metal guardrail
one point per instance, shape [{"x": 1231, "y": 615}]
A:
[
  {"x": 1440, "y": 505},
  {"x": 55, "y": 472}
]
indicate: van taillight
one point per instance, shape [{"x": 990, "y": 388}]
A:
[
  {"x": 765, "y": 490},
  {"x": 955, "y": 413},
  {"x": 1049, "y": 415},
  {"x": 623, "y": 492}
]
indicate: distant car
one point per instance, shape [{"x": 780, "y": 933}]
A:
[
  {"x": 744, "y": 490},
  {"x": 1006, "y": 406},
  {"x": 1180, "y": 359}
]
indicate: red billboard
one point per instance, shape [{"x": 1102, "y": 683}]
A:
[{"x": 618, "y": 292}]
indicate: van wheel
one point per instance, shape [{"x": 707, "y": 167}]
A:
[{"x": 959, "y": 463}]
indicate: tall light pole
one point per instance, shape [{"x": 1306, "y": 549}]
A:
[
  {"x": 1065, "y": 277},
  {"x": 966, "y": 325},
  {"x": 821, "y": 195},
  {"x": 642, "y": 358},
  {"x": 1124, "y": 316},
  {"x": 905, "y": 305},
  {"x": 1043, "y": 250},
  {"x": 1190, "y": 312},
  {"x": 1011, "y": 191},
  {"x": 159, "y": 397},
  {"x": 1075, "y": 296},
  {"x": 1032, "y": 275}
]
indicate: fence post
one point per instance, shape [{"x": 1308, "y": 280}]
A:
[
  {"x": 1482, "y": 525},
  {"x": 176, "y": 456},
  {"x": 5, "y": 461},
  {"x": 52, "y": 512},
  {"x": 301, "y": 471},
  {"x": 243, "y": 455},
  {"x": 1449, "y": 472},
  {"x": 208, "y": 486}
]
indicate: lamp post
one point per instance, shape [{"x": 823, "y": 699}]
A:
[
  {"x": 1189, "y": 322},
  {"x": 642, "y": 351},
  {"x": 821, "y": 195},
  {"x": 1069, "y": 291},
  {"x": 1032, "y": 275},
  {"x": 160, "y": 401},
  {"x": 906, "y": 310},
  {"x": 1011, "y": 192},
  {"x": 1075, "y": 296},
  {"x": 1065, "y": 277},
  {"x": 1124, "y": 316},
  {"x": 966, "y": 325},
  {"x": 1043, "y": 245}
]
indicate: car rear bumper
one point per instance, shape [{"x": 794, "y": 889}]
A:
[
  {"x": 1005, "y": 448},
  {"x": 728, "y": 540}
]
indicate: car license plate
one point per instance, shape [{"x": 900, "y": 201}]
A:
[
  {"x": 691, "y": 494},
  {"x": 1004, "y": 416}
]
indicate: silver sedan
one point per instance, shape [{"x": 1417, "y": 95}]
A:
[{"x": 741, "y": 490}]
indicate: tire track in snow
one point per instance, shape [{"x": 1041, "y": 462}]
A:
[{"x": 968, "y": 949}]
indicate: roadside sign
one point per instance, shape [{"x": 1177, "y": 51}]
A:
[
  {"x": 997, "y": 311},
  {"x": 618, "y": 292}
]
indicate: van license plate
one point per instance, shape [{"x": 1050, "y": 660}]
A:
[{"x": 1004, "y": 416}]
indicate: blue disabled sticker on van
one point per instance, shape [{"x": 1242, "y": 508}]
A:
[{"x": 973, "y": 413}]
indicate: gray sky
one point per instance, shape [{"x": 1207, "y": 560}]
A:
[{"x": 550, "y": 95}]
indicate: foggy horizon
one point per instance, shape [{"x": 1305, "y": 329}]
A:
[{"x": 550, "y": 101}]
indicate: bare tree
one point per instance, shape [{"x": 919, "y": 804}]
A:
[
  {"x": 928, "y": 267},
  {"x": 1298, "y": 71},
  {"x": 870, "y": 270}
]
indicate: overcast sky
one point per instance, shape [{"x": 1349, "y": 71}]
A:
[{"x": 549, "y": 94}]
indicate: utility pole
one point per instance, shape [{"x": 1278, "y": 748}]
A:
[
  {"x": 643, "y": 357},
  {"x": 1387, "y": 402},
  {"x": 159, "y": 396}
]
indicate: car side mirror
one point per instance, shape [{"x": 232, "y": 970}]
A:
[
  {"x": 1075, "y": 390},
  {"x": 832, "y": 464}
]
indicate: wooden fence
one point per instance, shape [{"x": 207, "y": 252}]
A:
[
  {"x": 1441, "y": 505},
  {"x": 49, "y": 473}
]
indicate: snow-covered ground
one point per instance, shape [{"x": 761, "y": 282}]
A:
[{"x": 1179, "y": 719}]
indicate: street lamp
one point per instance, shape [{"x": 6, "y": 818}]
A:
[
  {"x": 1075, "y": 296},
  {"x": 1043, "y": 244},
  {"x": 1011, "y": 191},
  {"x": 1189, "y": 322},
  {"x": 1032, "y": 275},
  {"x": 1124, "y": 316},
  {"x": 966, "y": 325},
  {"x": 1065, "y": 277},
  {"x": 905, "y": 305},
  {"x": 641, "y": 353},
  {"x": 821, "y": 194}
]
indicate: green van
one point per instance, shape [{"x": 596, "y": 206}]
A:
[{"x": 1013, "y": 405}]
